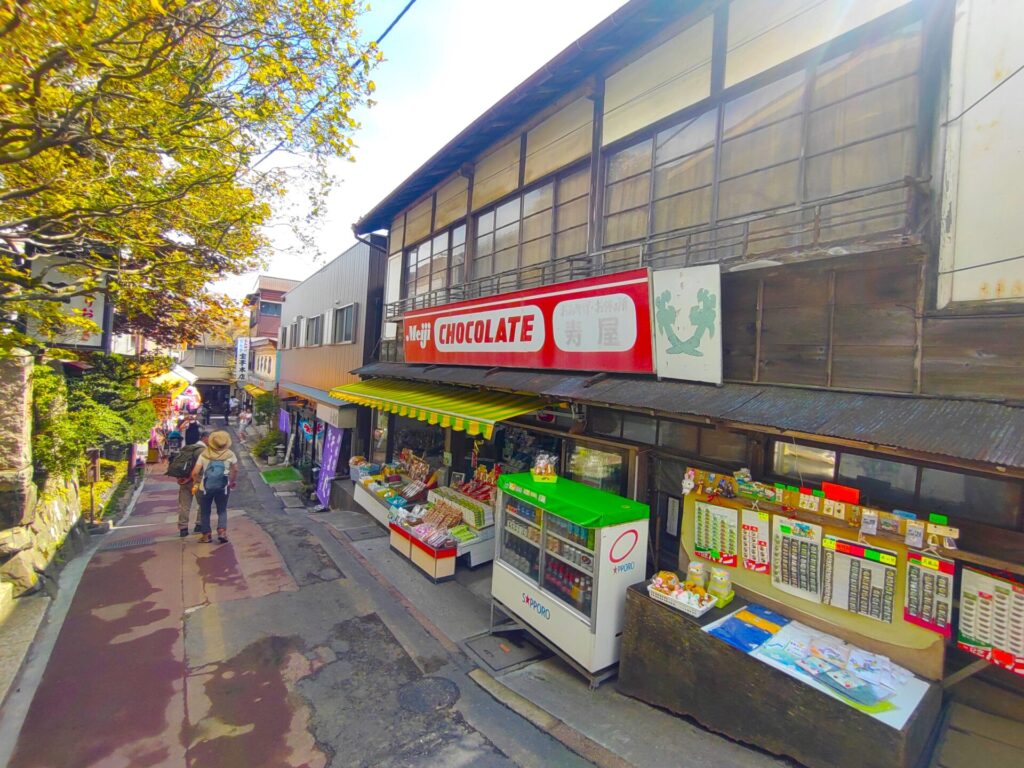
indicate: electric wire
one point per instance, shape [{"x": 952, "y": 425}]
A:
[{"x": 985, "y": 95}]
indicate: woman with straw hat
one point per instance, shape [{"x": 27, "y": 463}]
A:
[{"x": 214, "y": 476}]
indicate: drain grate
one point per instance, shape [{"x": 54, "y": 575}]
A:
[{"x": 134, "y": 541}]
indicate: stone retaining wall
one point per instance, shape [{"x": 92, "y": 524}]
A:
[{"x": 34, "y": 523}]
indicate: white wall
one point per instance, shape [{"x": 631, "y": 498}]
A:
[{"x": 981, "y": 205}]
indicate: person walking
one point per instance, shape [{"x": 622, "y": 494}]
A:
[
  {"x": 181, "y": 469},
  {"x": 214, "y": 476},
  {"x": 192, "y": 432}
]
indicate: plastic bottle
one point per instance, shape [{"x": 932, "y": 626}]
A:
[{"x": 575, "y": 590}]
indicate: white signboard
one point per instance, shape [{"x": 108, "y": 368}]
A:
[
  {"x": 688, "y": 323},
  {"x": 241, "y": 358},
  {"x": 88, "y": 307}
]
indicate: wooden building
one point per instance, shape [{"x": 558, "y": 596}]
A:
[{"x": 872, "y": 299}]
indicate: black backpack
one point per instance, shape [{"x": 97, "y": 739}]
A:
[{"x": 185, "y": 461}]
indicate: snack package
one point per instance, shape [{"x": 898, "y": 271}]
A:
[{"x": 666, "y": 582}]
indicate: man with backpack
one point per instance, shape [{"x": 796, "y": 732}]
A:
[
  {"x": 214, "y": 475},
  {"x": 181, "y": 469}
]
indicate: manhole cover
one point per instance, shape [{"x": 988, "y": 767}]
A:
[
  {"x": 134, "y": 541},
  {"x": 428, "y": 694}
]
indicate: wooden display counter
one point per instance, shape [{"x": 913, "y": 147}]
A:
[{"x": 667, "y": 660}]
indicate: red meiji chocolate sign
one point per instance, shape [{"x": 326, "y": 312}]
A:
[{"x": 598, "y": 324}]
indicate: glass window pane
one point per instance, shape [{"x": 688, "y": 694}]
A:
[
  {"x": 765, "y": 105},
  {"x": 507, "y": 237},
  {"x": 861, "y": 166},
  {"x": 629, "y": 162},
  {"x": 458, "y": 254},
  {"x": 537, "y": 251},
  {"x": 725, "y": 446},
  {"x": 601, "y": 421},
  {"x": 760, "y": 191},
  {"x": 482, "y": 267},
  {"x": 686, "y": 210},
  {"x": 639, "y": 429},
  {"x": 863, "y": 116},
  {"x": 688, "y": 137},
  {"x": 484, "y": 245},
  {"x": 572, "y": 214},
  {"x": 761, "y": 148},
  {"x": 572, "y": 242},
  {"x": 880, "y": 481},
  {"x": 574, "y": 185},
  {"x": 538, "y": 199},
  {"x": 459, "y": 235},
  {"x": 505, "y": 260},
  {"x": 684, "y": 174},
  {"x": 622, "y": 227},
  {"x": 982, "y": 499},
  {"x": 507, "y": 213},
  {"x": 802, "y": 462},
  {"x": 537, "y": 225},
  {"x": 485, "y": 222},
  {"x": 865, "y": 69},
  {"x": 456, "y": 275},
  {"x": 678, "y": 436},
  {"x": 440, "y": 243},
  {"x": 628, "y": 194}
]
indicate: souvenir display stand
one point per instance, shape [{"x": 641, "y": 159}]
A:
[
  {"x": 669, "y": 661},
  {"x": 566, "y": 554}
]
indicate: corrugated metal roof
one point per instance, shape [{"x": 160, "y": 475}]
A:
[{"x": 969, "y": 430}]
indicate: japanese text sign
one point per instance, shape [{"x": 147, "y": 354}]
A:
[{"x": 597, "y": 324}]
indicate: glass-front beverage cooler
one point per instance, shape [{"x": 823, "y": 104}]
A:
[{"x": 566, "y": 554}]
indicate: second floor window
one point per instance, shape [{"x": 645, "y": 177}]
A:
[
  {"x": 270, "y": 309},
  {"x": 284, "y": 338},
  {"x": 296, "y": 340},
  {"x": 315, "y": 331},
  {"x": 211, "y": 357},
  {"x": 344, "y": 325},
  {"x": 436, "y": 263}
]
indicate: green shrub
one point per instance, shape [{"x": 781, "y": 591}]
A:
[{"x": 265, "y": 446}]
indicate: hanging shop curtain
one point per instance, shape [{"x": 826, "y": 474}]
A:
[{"x": 464, "y": 410}]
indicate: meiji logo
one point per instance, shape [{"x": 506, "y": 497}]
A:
[
  {"x": 418, "y": 333},
  {"x": 623, "y": 567},
  {"x": 537, "y": 606}
]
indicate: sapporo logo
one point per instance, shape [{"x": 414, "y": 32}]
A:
[
  {"x": 623, "y": 546},
  {"x": 537, "y": 606}
]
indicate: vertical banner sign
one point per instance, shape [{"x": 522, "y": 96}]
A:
[
  {"x": 90, "y": 307},
  {"x": 284, "y": 422},
  {"x": 597, "y": 324},
  {"x": 688, "y": 323},
  {"x": 329, "y": 463},
  {"x": 241, "y": 358}
]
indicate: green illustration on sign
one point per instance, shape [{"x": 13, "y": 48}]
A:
[{"x": 702, "y": 317}]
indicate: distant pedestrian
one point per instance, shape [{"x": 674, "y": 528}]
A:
[
  {"x": 233, "y": 404},
  {"x": 204, "y": 413},
  {"x": 192, "y": 432},
  {"x": 215, "y": 475},
  {"x": 181, "y": 469}
]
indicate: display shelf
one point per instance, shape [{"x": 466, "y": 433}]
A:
[
  {"x": 520, "y": 536},
  {"x": 570, "y": 542},
  {"x": 582, "y": 569},
  {"x": 553, "y": 587},
  {"x": 521, "y": 519}
]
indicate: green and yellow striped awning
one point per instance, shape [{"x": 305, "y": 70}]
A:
[
  {"x": 255, "y": 391},
  {"x": 464, "y": 410}
]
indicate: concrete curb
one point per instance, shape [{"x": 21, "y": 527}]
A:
[{"x": 557, "y": 729}]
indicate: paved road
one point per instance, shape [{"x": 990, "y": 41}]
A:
[{"x": 277, "y": 649}]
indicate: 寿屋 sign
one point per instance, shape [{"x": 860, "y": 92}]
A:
[{"x": 597, "y": 324}]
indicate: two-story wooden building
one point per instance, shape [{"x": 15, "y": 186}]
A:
[{"x": 848, "y": 172}]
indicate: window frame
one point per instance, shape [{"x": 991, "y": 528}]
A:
[
  {"x": 919, "y": 468},
  {"x": 865, "y": 37},
  {"x": 314, "y": 329},
  {"x": 335, "y": 324}
]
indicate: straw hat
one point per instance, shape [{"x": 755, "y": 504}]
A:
[{"x": 220, "y": 440}]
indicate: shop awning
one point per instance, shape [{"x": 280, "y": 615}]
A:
[
  {"x": 255, "y": 391},
  {"x": 177, "y": 380},
  {"x": 464, "y": 410}
]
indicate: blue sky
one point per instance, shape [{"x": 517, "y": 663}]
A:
[{"x": 446, "y": 62}]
